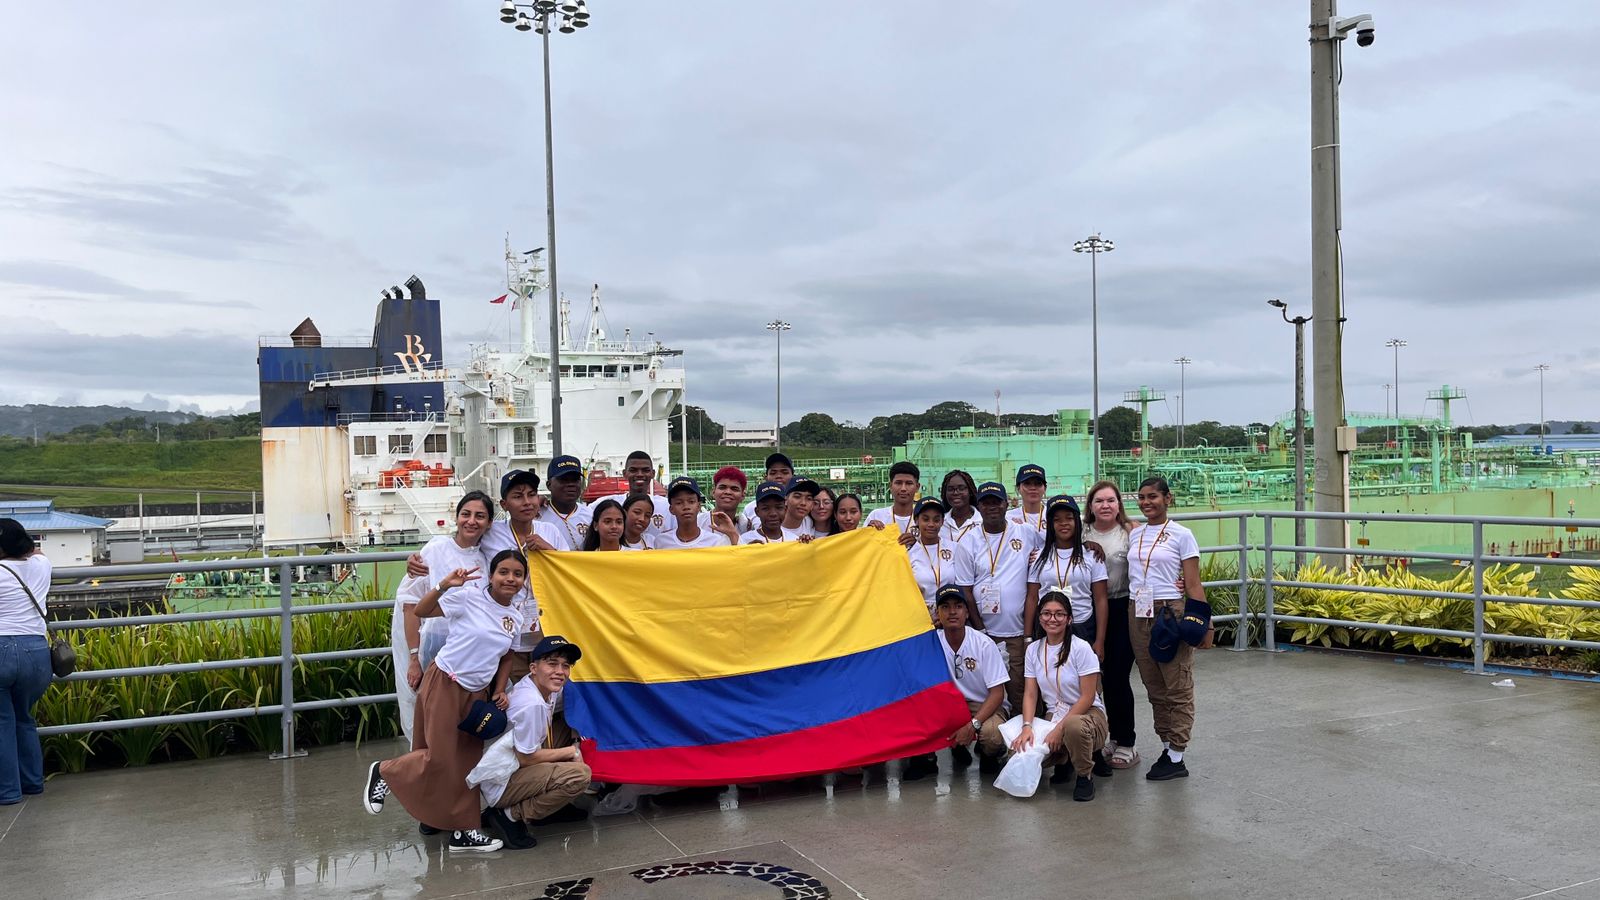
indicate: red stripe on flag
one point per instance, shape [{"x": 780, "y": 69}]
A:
[
  {"x": 500, "y": 299},
  {"x": 920, "y": 723}
]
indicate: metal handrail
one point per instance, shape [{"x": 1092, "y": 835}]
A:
[{"x": 1269, "y": 580}]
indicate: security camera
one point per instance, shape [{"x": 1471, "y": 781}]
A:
[{"x": 1366, "y": 31}]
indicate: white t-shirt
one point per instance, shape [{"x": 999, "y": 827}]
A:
[
  {"x": 660, "y": 520},
  {"x": 976, "y": 667},
  {"x": 530, "y": 714},
  {"x": 569, "y": 529},
  {"x": 1077, "y": 580},
  {"x": 1026, "y": 518},
  {"x": 443, "y": 555},
  {"x": 706, "y": 538},
  {"x": 19, "y": 615},
  {"x": 1155, "y": 561},
  {"x": 755, "y": 536},
  {"x": 935, "y": 565},
  {"x": 500, "y": 537},
  {"x": 481, "y": 631},
  {"x": 1058, "y": 685},
  {"x": 886, "y": 515},
  {"x": 1115, "y": 544},
  {"x": 959, "y": 533},
  {"x": 646, "y": 542},
  {"x": 1000, "y": 576}
]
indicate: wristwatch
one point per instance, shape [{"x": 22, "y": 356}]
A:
[
  {"x": 976, "y": 726},
  {"x": 413, "y": 651}
]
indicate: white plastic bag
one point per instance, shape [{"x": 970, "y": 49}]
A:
[
  {"x": 1021, "y": 776},
  {"x": 498, "y": 764}
]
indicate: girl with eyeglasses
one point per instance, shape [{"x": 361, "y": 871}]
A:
[{"x": 1065, "y": 673}]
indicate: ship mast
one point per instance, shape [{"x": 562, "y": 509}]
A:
[{"x": 522, "y": 281}]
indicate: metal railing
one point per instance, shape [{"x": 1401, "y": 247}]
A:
[
  {"x": 285, "y": 660},
  {"x": 1273, "y": 556}
]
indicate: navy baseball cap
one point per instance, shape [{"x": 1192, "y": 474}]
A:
[
  {"x": 950, "y": 593},
  {"x": 1029, "y": 472},
  {"x": 780, "y": 458},
  {"x": 555, "y": 643},
  {"x": 769, "y": 489},
  {"x": 562, "y": 466},
  {"x": 515, "y": 477},
  {"x": 1195, "y": 622},
  {"x": 484, "y": 721},
  {"x": 803, "y": 485},
  {"x": 992, "y": 489},
  {"x": 929, "y": 503},
  {"x": 1059, "y": 501},
  {"x": 684, "y": 483},
  {"x": 1164, "y": 636}
]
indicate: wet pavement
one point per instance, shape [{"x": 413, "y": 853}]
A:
[{"x": 1314, "y": 775}]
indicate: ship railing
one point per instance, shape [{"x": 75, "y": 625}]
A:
[
  {"x": 1260, "y": 554},
  {"x": 280, "y": 340},
  {"x": 352, "y": 418},
  {"x": 285, "y": 660},
  {"x": 433, "y": 370}
]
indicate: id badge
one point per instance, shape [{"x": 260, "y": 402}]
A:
[
  {"x": 1144, "y": 604},
  {"x": 988, "y": 600}
]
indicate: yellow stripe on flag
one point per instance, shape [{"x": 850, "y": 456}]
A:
[{"x": 739, "y": 609}]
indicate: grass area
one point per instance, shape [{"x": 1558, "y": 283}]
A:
[
  {"x": 753, "y": 457},
  {"x": 225, "y": 464}
]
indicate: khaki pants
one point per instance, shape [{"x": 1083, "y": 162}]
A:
[
  {"x": 1170, "y": 685},
  {"x": 989, "y": 741},
  {"x": 537, "y": 790},
  {"x": 1012, "y": 650},
  {"x": 1081, "y": 736}
]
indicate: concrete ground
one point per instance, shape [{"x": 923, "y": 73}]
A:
[{"x": 1314, "y": 775}]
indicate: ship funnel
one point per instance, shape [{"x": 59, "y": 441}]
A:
[{"x": 418, "y": 292}]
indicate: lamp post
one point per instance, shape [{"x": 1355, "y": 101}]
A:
[
  {"x": 1182, "y": 363},
  {"x": 778, "y": 327},
  {"x": 1395, "y": 344},
  {"x": 1541, "y": 368},
  {"x": 574, "y": 14},
  {"x": 1299, "y": 323},
  {"x": 1386, "y": 398},
  {"x": 1094, "y": 245}
]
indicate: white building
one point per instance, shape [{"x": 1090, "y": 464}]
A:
[
  {"x": 749, "y": 434},
  {"x": 67, "y": 538}
]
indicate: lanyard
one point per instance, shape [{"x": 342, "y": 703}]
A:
[
  {"x": 571, "y": 536},
  {"x": 1060, "y": 580},
  {"x": 1044, "y": 662},
  {"x": 522, "y": 546},
  {"x": 1038, "y": 524},
  {"x": 1145, "y": 576},
  {"x": 995, "y": 551},
  {"x": 933, "y": 562}
]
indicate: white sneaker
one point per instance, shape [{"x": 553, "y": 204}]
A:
[{"x": 473, "y": 841}]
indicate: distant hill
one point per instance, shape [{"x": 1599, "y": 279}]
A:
[{"x": 20, "y": 421}]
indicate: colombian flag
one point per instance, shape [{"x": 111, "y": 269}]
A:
[{"x": 736, "y": 664}]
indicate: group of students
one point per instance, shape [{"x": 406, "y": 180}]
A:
[{"x": 1044, "y": 607}]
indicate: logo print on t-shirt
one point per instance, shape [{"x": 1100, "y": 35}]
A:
[
  {"x": 945, "y": 555},
  {"x": 657, "y": 521},
  {"x": 1016, "y": 544},
  {"x": 1161, "y": 538},
  {"x": 583, "y": 530},
  {"x": 970, "y": 663},
  {"x": 508, "y": 624}
]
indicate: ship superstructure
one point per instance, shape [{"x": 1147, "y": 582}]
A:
[{"x": 373, "y": 441}]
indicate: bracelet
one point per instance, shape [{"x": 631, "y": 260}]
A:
[{"x": 413, "y": 651}]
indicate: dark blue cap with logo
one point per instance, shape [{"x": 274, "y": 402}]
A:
[
  {"x": 555, "y": 643},
  {"x": 1029, "y": 472},
  {"x": 929, "y": 503},
  {"x": 562, "y": 466},
  {"x": 801, "y": 485},
  {"x": 1164, "y": 636},
  {"x": 484, "y": 721},
  {"x": 1059, "y": 501},
  {"x": 769, "y": 489},
  {"x": 684, "y": 483},
  {"x": 992, "y": 489},
  {"x": 518, "y": 476},
  {"x": 950, "y": 593},
  {"x": 773, "y": 458}
]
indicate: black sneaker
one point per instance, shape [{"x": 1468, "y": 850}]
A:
[
  {"x": 426, "y": 830},
  {"x": 1083, "y": 791},
  {"x": 375, "y": 792},
  {"x": 512, "y": 832},
  {"x": 1164, "y": 769},
  {"x": 473, "y": 841},
  {"x": 960, "y": 756},
  {"x": 988, "y": 765},
  {"x": 1102, "y": 769},
  {"x": 1062, "y": 774},
  {"x": 919, "y": 767}
]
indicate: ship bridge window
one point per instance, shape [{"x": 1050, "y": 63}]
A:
[
  {"x": 436, "y": 443},
  {"x": 366, "y": 445},
  {"x": 399, "y": 443},
  {"x": 620, "y": 401}
]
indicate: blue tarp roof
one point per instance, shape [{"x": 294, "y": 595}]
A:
[{"x": 41, "y": 515}]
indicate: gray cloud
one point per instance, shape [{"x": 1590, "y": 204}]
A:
[{"x": 58, "y": 281}]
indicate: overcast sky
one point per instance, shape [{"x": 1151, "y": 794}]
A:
[{"x": 901, "y": 180}]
